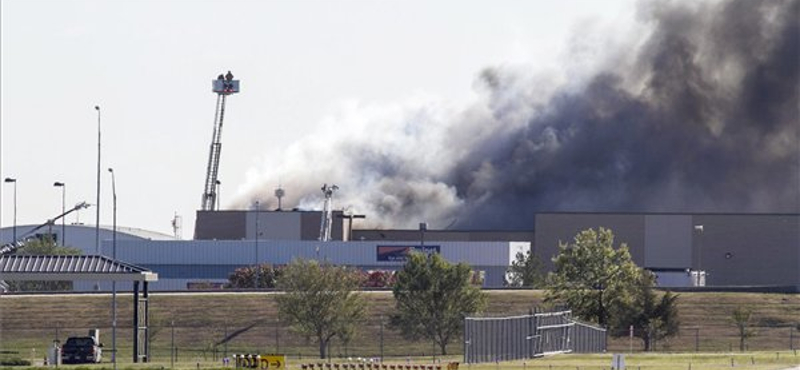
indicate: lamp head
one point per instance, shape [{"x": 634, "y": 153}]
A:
[
  {"x": 58, "y": 184},
  {"x": 8, "y": 179}
]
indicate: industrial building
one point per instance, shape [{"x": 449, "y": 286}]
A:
[
  {"x": 730, "y": 249},
  {"x": 717, "y": 250},
  {"x": 734, "y": 250},
  {"x": 233, "y": 242}
]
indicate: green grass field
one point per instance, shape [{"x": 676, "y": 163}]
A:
[{"x": 196, "y": 322}]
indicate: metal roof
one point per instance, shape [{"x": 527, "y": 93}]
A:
[{"x": 100, "y": 268}]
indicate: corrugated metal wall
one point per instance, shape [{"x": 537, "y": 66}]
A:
[
  {"x": 213, "y": 261},
  {"x": 734, "y": 249}
]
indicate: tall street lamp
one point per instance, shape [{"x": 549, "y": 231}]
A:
[
  {"x": 97, "y": 218},
  {"x": 14, "y": 181},
  {"x": 257, "y": 274},
  {"x": 63, "y": 187},
  {"x": 114, "y": 283}
]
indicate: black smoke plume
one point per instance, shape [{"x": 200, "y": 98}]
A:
[{"x": 700, "y": 115}]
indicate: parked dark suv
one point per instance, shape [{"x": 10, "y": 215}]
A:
[{"x": 79, "y": 350}]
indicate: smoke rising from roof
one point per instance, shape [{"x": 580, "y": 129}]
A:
[{"x": 699, "y": 115}]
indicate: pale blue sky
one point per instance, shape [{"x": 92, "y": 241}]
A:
[{"x": 149, "y": 65}]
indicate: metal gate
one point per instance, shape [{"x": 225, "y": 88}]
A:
[{"x": 492, "y": 339}]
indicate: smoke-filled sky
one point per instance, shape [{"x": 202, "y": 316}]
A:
[
  {"x": 459, "y": 113},
  {"x": 695, "y": 111}
]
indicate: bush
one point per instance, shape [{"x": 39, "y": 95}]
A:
[
  {"x": 378, "y": 279},
  {"x": 244, "y": 277}
]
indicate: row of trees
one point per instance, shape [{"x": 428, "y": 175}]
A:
[
  {"x": 598, "y": 281},
  {"x": 321, "y": 301},
  {"x": 266, "y": 276}
]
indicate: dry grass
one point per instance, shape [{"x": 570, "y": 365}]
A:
[{"x": 201, "y": 320}]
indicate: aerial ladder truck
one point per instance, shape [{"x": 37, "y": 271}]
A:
[{"x": 224, "y": 85}]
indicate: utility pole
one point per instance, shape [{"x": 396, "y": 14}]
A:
[
  {"x": 257, "y": 268},
  {"x": 114, "y": 283},
  {"x": 97, "y": 215},
  {"x": 10, "y": 180},
  {"x": 63, "y": 187}
]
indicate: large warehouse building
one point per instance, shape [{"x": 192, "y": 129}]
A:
[
  {"x": 761, "y": 250},
  {"x": 733, "y": 249},
  {"x": 232, "y": 239}
]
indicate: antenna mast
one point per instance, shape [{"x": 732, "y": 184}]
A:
[
  {"x": 224, "y": 85},
  {"x": 327, "y": 213}
]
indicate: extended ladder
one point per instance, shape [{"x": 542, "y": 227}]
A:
[{"x": 223, "y": 86}]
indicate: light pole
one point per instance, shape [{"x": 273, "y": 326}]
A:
[
  {"x": 255, "y": 283},
  {"x": 423, "y": 226},
  {"x": 14, "y": 181},
  {"x": 699, "y": 229},
  {"x": 114, "y": 283},
  {"x": 63, "y": 187},
  {"x": 277, "y": 336},
  {"x": 97, "y": 218}
]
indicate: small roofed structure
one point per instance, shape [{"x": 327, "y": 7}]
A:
[
  {"x": 95, "y": 268},
  {"x": 60, "y": 268}
]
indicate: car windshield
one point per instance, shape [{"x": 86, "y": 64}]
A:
[{"x": 80, "y": 342}]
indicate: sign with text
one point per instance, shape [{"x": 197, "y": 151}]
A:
[
  {"x": 399, "y": 253},
  {"x": 262, "y": 362}
]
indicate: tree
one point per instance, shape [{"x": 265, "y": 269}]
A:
[
  {"x": 432, "y": 297},
  {"x": 319, "y": 300},
  {"x": 245, "y": 277},
  {"x": 741, "y": 317},
  {"x": 525, "y": 271},
  {"x": 651, "y": 318},
  {"x": 43, "y": 247},
  {"x": 592, "y": 277}
]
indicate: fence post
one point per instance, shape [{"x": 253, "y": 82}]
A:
[
  {"x": 697, "y": 339},
  {"x": 466, "y": 354},
  {"x": 172, "y": 352}
]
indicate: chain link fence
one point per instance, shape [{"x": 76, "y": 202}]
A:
[{"x": 213, "y": 342}]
